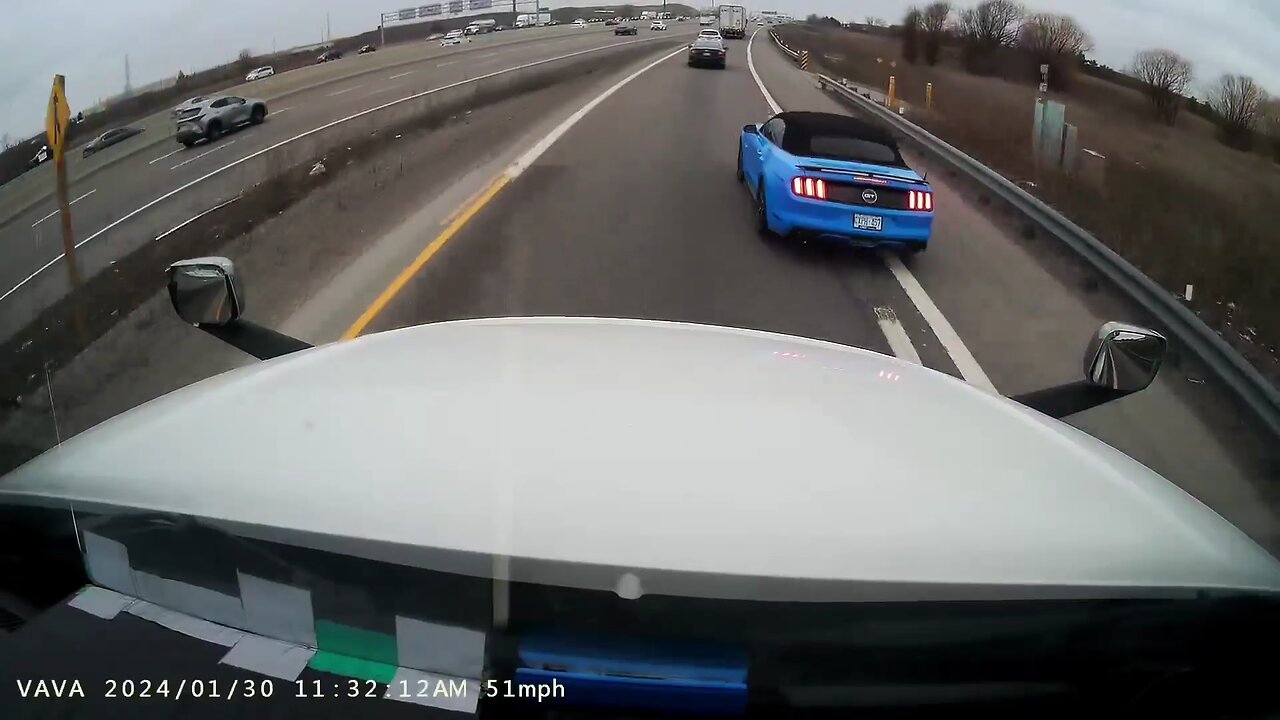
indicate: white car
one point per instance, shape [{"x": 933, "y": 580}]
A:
[
  {"x": 710, "y": 34},
  {"x": 579, "y": 23},
  {"x": 658, "y": 26},
  {"x": 454, "y": 37},
  {"x": 258, "y": 74}
]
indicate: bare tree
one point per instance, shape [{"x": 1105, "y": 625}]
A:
[
  {"x": 1165, "y": 75},
  {"x": 986, "y": 28},
  {"x": 933, "y": 22},
  {"x": 1057, "y": 41},
  {"x": 1050, "y": 34},
  {"x": 1237, "y": 100},
  {"x": 911, "y": 34},
  {"x": 876, "y": 22}
]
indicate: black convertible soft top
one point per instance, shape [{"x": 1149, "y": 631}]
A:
[{"x": 802, "y": 127}]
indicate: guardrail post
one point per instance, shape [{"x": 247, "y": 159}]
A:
[{"x": 893, "y": 86}]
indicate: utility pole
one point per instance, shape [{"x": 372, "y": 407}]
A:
[
  {"x": 328, "y": 29},
  {"x": 128, "y": 86},
  {"x": 382, "y": 30}
]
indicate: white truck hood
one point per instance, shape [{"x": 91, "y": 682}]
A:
[{"x": 658, "y": 449}]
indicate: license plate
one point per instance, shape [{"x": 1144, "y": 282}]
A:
[
  {"x": 186, "y": 126},
  {"x": 867, "y": 222}
]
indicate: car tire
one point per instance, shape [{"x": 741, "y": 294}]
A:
[
  {"x": 762, "y": 212},
  {"x": 214, "y": 132},
  {"x": 740, "y": 174},
  {"x": 257, "y": 114},
  {"x": 187, "y": 143}
]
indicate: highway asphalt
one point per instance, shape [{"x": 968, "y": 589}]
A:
[
  {"x": 31, "y": 272},
  {"x": 635, "y": 212},
  {"x": 37, "y": 184}
]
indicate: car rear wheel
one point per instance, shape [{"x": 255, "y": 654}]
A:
[
  {"x": 214, "y": 132},
  {"x": 257, "y": 114}
]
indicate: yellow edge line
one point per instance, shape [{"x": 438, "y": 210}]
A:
[{"x": 423, "y": 258}]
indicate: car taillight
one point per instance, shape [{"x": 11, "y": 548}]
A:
[
  {"x": 815, "y": 189},
  {"x": 920, "y": 200}
]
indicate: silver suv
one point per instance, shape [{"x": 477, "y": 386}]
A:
[{"x": 215, "y": 115}]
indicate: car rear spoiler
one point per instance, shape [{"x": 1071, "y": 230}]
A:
[{"x": 874, "y": 178}]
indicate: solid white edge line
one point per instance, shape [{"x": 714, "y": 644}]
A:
[
  {"x": 751, "y": 65},
  {"x": 73, "y": 202},
  {"x": 968, "y": 366},
  {"x": 312, "y": 131},
  {"x": 195, "y": 217},
  {"x": 899, "y": 340}
]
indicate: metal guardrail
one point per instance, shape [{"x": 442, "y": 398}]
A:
[
  {"x": 795, "y": 54},
  {"x": 1232, "y": 369}
]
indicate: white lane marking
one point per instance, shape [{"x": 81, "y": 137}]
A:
[
  {"x": 168, "y": 154},
  {"x": 486, "y": 55},
  {"x": 443, "y": 64},
  {"x": 281, "y": 110},
  {"x": 751, "y": 65},
  {"x": 216, "y": 148},
  {"x": 899, "y": 340},
  {"x": 400, "y": 75},
  {"x": 194, "y": 218},
  {"x": 969, "y": 368},
  {"x": 73, "y": 202},
  {"x": 523, "y": 162},
  {"x": 343, "y": 91},
  {"x": 392, "y": 86},
  {"x": 306, "y": 133}
]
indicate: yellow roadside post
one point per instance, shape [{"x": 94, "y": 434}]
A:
[
  {"x": 888, "y": 101},
  {"x": 928, "y": 96},
  {"x": 56, "y": 121}
]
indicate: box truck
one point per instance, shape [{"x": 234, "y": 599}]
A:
[{"x": 733, "y": 21}]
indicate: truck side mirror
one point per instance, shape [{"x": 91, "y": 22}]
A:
[
  {"x": 204, "y": 291},
  {"x": 1121, "y": 359},
  {"x": 1124, "y": 357}
]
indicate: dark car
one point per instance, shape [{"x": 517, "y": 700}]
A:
[
  {"x": 328, "y": 56},
  {"x": 625, "y": 30},
  {"x": 611, "y": 21},
  {"x": 109, "y": 138},
  {"x": 707, "y": 51},
  {"x": 366, "y": 49}
]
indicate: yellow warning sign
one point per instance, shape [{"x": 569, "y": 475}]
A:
[{"x": 58, "y": 117}]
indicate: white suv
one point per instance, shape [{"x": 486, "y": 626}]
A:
[{"x": 262, "y": 72}]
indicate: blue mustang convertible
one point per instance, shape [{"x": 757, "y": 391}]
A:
[{"x": 821, "y": 175}]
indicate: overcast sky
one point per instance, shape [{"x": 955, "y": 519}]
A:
[{"x": 38, "y": 39}]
